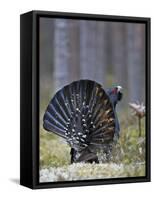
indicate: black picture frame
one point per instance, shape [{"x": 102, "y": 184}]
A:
[{"x": 29, "y": 99}]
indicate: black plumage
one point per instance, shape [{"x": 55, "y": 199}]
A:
[{"x": 83, "y": 113}]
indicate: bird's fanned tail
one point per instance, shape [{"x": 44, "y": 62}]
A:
[{"x": 83, "y": 115}]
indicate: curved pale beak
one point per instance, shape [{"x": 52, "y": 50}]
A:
[{"x": 119, "y": 88}]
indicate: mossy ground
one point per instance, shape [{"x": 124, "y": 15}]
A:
[{"x": 128, "y": 156}]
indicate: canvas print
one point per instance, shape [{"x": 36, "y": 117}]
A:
[{"x": 92, "y": 99}]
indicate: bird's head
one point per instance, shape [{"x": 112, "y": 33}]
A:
[{"x": 115, "y": 94}]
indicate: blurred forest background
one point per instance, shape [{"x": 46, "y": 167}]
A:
[{"x": 111, "y": 53}]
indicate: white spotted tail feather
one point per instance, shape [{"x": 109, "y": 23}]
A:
[{"x": 82, "y": 114}]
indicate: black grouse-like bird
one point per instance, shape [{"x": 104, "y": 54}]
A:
[{"x": 84, "y": 114}]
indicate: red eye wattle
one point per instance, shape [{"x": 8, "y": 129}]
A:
[{"x": 114, "y": 91}]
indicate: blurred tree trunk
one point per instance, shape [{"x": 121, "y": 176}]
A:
[
  {"x": 87, "y": 49},
  {"x": 119, "y": 54},
  {"x": 102, "y": 53},
  {"x": 46, "y": 52},
  {"x": 62, "y": 53},
  {"x": 93, "y": 51},
  {"x": 136, "y": 61},
  {"x": 74, "y": 61},
  {"x": 46, "y": 62}
]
